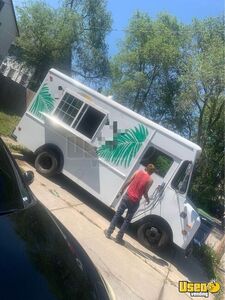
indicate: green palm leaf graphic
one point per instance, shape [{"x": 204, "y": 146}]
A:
[
  {"x": 124, "y": 147},
  {"x": 44, "y": 102}
]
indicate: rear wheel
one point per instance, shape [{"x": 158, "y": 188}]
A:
[
  {"x": 46, "y": 163},
  {"x": 154, "y": 234}
]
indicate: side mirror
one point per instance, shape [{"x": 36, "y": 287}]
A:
[{"x": 28, "y": 176}]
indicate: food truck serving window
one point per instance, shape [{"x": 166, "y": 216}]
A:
[{"x": 79, "y": 115}]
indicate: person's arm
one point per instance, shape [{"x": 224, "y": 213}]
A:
[
  {"x": 147, "y": 189},
  {"x": 127, "y": 183}
]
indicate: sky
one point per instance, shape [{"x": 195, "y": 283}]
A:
[
  {"x": 184, "y": 10},
  {"x": 122, "y": 11}
]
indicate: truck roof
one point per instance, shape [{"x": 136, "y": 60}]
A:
[{"x": 128, "y": 111}]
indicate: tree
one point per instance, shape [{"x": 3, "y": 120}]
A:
[
  {"x": 46, "y": 37},
  {"x": 174, "y": 74},
  {"x": 70, "y": 35},
  {"x": 145, "y": 71},
  {"x": 202, "y": 96},
  {"x": 90, "y": 53}
]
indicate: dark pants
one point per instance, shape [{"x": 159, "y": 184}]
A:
[{"x": 131, "y": 207}]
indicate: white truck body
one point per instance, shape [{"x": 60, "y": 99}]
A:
[{"x": 103, "y": 143}]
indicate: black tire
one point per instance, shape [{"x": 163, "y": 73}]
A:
[
  {"x": 154, "y": 234},
  {"x": 46, "y": 163}
]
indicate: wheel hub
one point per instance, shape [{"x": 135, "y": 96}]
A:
[
  {"x": 46, "y": 162},
  {"x": 153, "y": 235}
]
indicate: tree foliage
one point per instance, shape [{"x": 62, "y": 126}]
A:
[
  {"x": 90, "y": 53},
  {"x": 71, "y": 35},
  {"x": 202, "y": 93},
  {"x": 144, "y": 73},
  {"x": 173, "y": 74},
  {"x": 46, "y": 37}
]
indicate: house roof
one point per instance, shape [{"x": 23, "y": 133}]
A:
[{"x": 17, "y": 28}]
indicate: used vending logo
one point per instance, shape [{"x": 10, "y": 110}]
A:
[{"x": 199, "y": 289}]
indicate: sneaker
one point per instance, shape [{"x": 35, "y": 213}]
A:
[
  {"x": 107, "y": 235},
  {"x": 120, "y": 241}
]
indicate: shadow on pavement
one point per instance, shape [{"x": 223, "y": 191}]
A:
[
  {"x": 140, "y": 253},
  {"x": 146, "y": 255},
  {"x": 189, "y": 267}
]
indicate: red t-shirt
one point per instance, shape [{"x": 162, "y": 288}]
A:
[{"x": 138, "y": 186}]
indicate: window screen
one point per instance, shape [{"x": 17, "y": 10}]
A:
[
  {"x": 79, "y": 115},
  {"x": 160, "y": 160},
  {"x": 68, "y": 108}
]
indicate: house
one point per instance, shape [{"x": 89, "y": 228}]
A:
[
  {"x": 16, "y": 71},
  {"x": 8, "y": 27}
]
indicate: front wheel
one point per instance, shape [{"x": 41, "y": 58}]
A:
[
  {"x": 46, "y": 163},
  {"x": 153, "y": 234}
]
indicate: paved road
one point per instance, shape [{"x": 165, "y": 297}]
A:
[{"x": 133, "y": 272}]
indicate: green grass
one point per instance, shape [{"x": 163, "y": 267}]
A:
[
  {"x": 210, "y": 261},
  {"x": 208, "y": 258},
  {"x": 7, "y": 123}
]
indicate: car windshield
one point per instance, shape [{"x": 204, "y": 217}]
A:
[{"x": 10, "y": 196}]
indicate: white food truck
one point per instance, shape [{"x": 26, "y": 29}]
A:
[{"x": 99, "y": 143}]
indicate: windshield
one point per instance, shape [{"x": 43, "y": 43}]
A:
[{"x": 10, "y": 196}]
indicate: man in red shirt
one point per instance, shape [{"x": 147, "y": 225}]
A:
[{"x": 139, "y": 185}]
